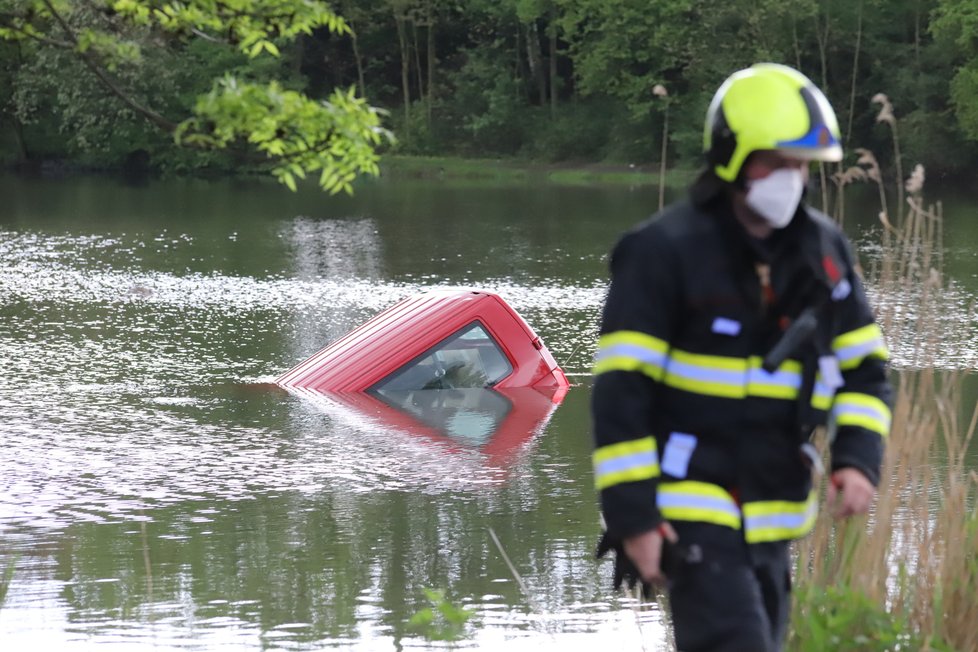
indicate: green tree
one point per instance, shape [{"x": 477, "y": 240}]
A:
[
  {"x": 290, "y": 133},
  {"x": 955, "y": 26}
]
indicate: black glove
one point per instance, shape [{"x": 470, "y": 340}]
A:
[
  {"x": 625, "y": 570},
  {"x": 673, "y": 556}
]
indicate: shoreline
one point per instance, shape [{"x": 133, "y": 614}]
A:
[
  {"x": 408, "y": 167},
  {"x": 447, "y": 168}
]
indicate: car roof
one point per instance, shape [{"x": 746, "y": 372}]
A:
[{"x": 393, "y": 338}]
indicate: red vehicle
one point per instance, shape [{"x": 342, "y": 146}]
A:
[
  {"x": 456, "y": 368},
  {"x": 444, "y": 339}
]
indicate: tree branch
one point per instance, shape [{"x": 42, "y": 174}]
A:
[
  {"x": 205, "y": 36},
  {"x": 37, "y": 37},
  {"x": 148, "y": 113}
]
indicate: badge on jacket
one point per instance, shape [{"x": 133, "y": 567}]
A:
[
  {"x": 679, "y": 450},
  {"x": 725, "y": 326}
]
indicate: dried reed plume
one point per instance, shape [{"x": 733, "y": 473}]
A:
[
  {"x": 843, "y": 178},
  {"x": 886, "y": 109},
  {"x": 915, "y": 182},
  {"x": 916, "y": 557},
  {"x": 887, "y": 116}
]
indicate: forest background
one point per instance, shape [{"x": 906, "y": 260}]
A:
[{"x": 96, "y": 84}]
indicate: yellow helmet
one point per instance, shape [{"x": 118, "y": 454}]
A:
[{"x": 768, "y": 106}]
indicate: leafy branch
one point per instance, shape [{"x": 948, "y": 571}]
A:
[
  {"x": 251, "y": 25},
  {"x": 293, "y": 134},
  {"x": 299, "y": 136}
]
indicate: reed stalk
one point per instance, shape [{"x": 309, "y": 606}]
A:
[
  {"x": 915, "y": 558},
  {"x": 887, "y": 116},
  {"x": 660, "y": 92},
  {"x": 6, "y": 577}
]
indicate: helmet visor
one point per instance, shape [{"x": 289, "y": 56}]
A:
[{"x": 819, "y": 144}]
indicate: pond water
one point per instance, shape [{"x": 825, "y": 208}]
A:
[{"x": 153, "y": 493}]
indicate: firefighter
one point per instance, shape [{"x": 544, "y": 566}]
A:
[{"x": 735, "y": 324}]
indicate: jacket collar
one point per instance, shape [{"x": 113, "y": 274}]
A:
[
  {"x": 805, "y": 240},
  {"x": 711, "y": 194}
]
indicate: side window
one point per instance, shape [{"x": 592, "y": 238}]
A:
[{"x": 467, "y": 359}]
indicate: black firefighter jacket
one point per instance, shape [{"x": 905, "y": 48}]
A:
[{"x": 688, "y": 425}]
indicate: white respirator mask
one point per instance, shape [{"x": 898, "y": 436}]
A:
[{"x": 776, "y": 197}]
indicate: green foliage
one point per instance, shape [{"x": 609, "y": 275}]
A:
[
  {"x": 335, "y": 138},
  {"x": 441, "y": 620},
  {"x": 622, "y": 49},
  {"x": 956, "y": 22},
  {"x": 955, "y": 28},
  {"x": 964, "y": 95},
  {"x": 6, "y": 576},
  {"x": 578, "y": 131},
  {"x": 117, "y": 45},
  {"x": 842, "y": 618},
  {"x": 554, "y": 80},
  {"x": 60, "y": 109},
  {"x": 486, "y": 104},
  {"x": 249, "y": 24}
]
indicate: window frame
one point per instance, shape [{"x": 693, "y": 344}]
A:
[{"x": 457, "y": 334}]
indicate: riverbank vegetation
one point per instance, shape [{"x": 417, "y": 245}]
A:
[
  {"x": 905, "y": 577},
  {"x": 512, "y": 171},
  {"x": 108, "y": 83}
]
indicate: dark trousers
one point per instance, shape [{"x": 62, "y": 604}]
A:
[{"x": 730, "y": 597}]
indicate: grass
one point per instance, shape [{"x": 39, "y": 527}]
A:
[
  {"x": 906, "y": 577},
  {"x": 525, "y": 172},
  {"x": 441, "y": 620},
  {"x": 6, "y": 577}
]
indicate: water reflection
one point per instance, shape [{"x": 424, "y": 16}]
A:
[
  {"x": 468, "y": 416},
  {"x": 490, "y": 426}
]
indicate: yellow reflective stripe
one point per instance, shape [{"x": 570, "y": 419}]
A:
[
  {"x": 822, "y": 395},
  {"x": 855, "y": 346},
  {"x": 770, "y": 520},
  {"x": 697, "y": 501},
  {"x": 712, "y": 375},
  {"x": 625, "y": 363},
  {"x": 708, "y": 375},
  {"x": 779, "y": 520},
  {"x": 631, "y": 351},
  {"x": 783, "y": 383},
  {"x": 633, "y": 337},
  {"x": 731, "y": 377},
  {"x": 627, "y": 461},
  {"x": 863, "y": 410}
]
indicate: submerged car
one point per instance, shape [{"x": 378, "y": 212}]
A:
[
  {"x": 456, "y": 368},
  {"x": 444, "y": 339}
]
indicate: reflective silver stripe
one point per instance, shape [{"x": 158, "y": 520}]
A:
[
  {"x": 694, "y": 372},
  {"x": 861, "y": 350},
  {"x": 627, "y": 463},
  {"x": 781, "y": 378},
  {"x": 784, "y": 521}
]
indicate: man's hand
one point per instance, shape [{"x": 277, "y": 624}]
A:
[
  {"x": 849, "y": 492},
  {"x": 645, "y": 551}
]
